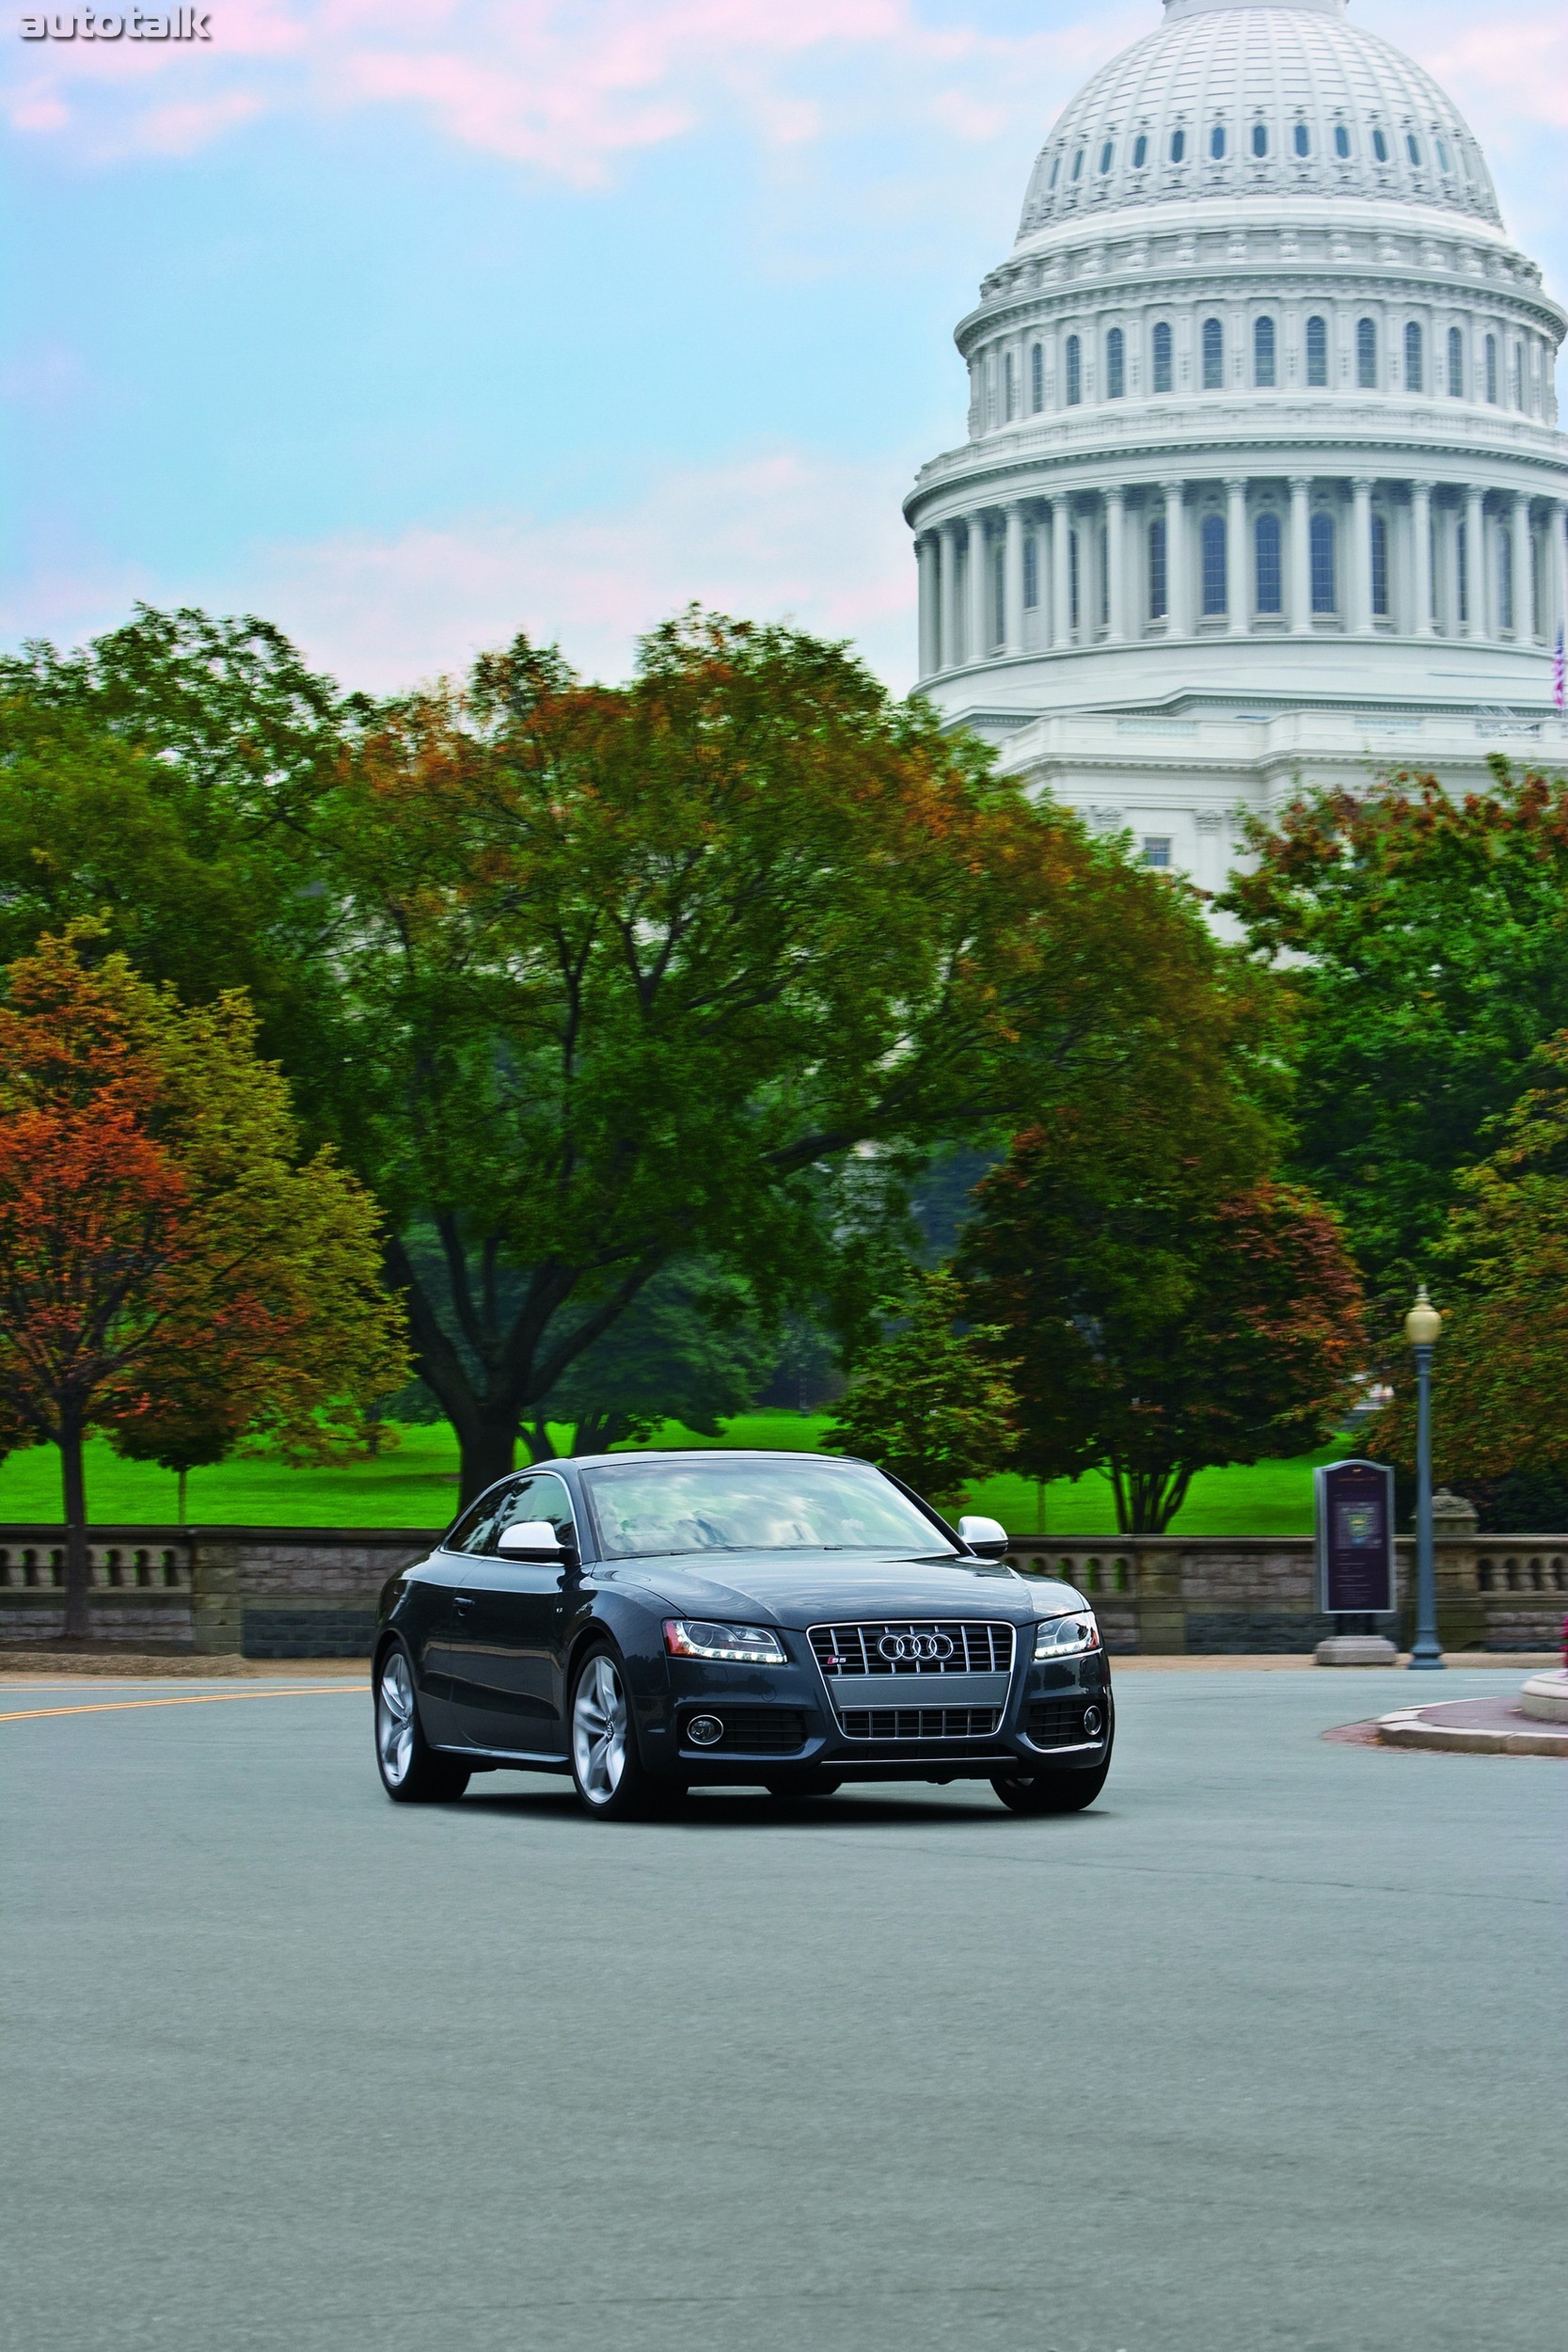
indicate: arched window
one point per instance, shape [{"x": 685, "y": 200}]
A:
[
  {"x": 1214, "y": 354},
  {"x": 1178, "y": 146},
  {"x": 1157, "y": 591},
  {"x": 1259, "y": 139},
  {"x": 1140, "y": 152},
  {"x": 1517, "y": 376},
  {"x": 1366, "y": 354},
  {"x": 1492, "y": 369},
  {"x": 1443, "y": 162},
  {"x": 1037, "y": 379},
  {"x": 1263, "y": 351},
  {"x": 1266, "y": 546},
  {"x": 1212, "y": 542},
  {"x": 1031, "y": 571},
  {"x": 1074, "y": 371},
  {"x": 1102, "y": 552},
  {"x": 1077, "y": 164},
  {"x": 1107, "y": 153},
  {"x": 1456, "y": 364},
  {"x": 1056, "y": 169},
  {"x": 1413, "y": 367},
  {"x": 998, "y": 594},
  {"x": 1341, "y": 141},
  {"x": 1320, "y": 550},
  {"x": 1505, "y": 579},
  {"x": 1380, "y": 566},
  {"x": 1317, "y": 351},
  {"x": 1413, "y": 149},
  {"x": 1216, "y": 141},
  {"x": 1116, "y": 364},
  {"x": 1380, "y": 147},
  {"x": 1303, "y": 139},
  {"x": 1461, "y": 572},
  {"x": 1009, "y": 387},
  {"x": 1161, "y": 356}
]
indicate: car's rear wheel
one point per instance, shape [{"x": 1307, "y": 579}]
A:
[
  {"x": 605, "y": 1763},
  {"x": 1050, "y": 1793},
  {"x": 411, "y": 1771}
]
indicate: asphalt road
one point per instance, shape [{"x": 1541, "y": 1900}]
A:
[{"x": 1265, "y": 2051}]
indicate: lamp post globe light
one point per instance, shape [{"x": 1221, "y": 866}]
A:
[{"x": 1421, "y": 1327}]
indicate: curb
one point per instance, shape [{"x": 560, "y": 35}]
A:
[{"x": 1409, "y": 1728}]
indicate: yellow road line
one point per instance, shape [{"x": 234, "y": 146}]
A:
[{"x": 195, "y": 1698}]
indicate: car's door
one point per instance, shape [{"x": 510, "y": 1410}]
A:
[{"x": 509, "y": 1616}]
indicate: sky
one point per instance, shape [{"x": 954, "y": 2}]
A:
[{"x": 408, "y": 324}]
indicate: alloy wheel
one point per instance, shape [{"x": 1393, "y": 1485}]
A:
[
  {"x": 599, "y": 1730},
  {"x": 394, "y": 1718}
]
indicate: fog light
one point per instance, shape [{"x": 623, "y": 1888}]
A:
[
  {"x": 704, "y": 1730},
  {"x": 1094, "y": 1722}
]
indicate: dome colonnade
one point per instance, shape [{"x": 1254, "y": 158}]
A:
[{"x": 1261, "y": 419}]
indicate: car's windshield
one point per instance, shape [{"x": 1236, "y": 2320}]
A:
[{"x": 646, "y": 1505}]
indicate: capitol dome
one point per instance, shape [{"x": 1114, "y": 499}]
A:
[{"x": 1262, "y": 483}]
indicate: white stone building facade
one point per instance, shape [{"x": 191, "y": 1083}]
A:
[{"x": 1263, "y": 485}]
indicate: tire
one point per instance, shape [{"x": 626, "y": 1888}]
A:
[
  {"x": 411, "y": 1771},
  {"x": 1050, "y": 1793},
  {"x": 607, "y": 1769}
]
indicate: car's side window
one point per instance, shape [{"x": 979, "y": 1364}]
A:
[
  {"x": 543, "y": 1496},
  {"x": 477, "y": 1532}
]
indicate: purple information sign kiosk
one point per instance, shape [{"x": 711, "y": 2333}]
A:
[{"x": 1354, "y": 1511}]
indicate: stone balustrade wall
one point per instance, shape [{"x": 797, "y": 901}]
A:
[{"x": 302, "y": 1592}]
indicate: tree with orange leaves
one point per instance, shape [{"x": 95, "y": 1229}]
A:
[{"x": 165, "y": 1259}]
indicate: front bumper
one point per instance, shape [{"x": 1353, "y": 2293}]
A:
[{"x": 779, "y": 1722}]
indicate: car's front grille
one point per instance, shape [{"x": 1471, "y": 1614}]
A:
[
  {"x": 919, "y": 1723},
  {"x": 1057, "y": 1724},
  {"x": 756, "y": 1730},
  {"x": 941, "y": 1646}
]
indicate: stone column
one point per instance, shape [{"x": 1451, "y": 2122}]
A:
[
  {"x": 949, "y": 617},
  {"x": 1177, "y": 606},
  {"x": 1116, "y": 561},
  {"x": 927, "y": 556},
  {"x": 1238, "y": 602},
  {"x": 1524, "y": 618},
  {"x": 1061, "y": 582},
  {"x": 1475, "y": 564},
  {"x": 1301, "y": 554},
  {"x": 1557, "y": 566},
  {"x": 1361, "y": 557},
  {"x": 1420, "y": 570},
  {"x": 977, "y": 635},
  {"x": 1012, "y": 579}
]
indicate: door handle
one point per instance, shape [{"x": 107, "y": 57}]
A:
[{"x": 461, "y": 1601}]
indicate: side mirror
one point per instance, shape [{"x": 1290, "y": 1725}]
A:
[
  {"x": 531, "y": 1539},
  {"x": 988, "y": 1538}
]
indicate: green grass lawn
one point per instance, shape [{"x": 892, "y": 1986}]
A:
[{"x": 414, "y": 1484}]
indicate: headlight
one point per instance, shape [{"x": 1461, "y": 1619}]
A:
[
  {"x": 1067, "y": 1637},
  {"x": 740, "y": 1644}
]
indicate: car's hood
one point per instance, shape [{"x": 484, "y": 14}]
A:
[{"x": 807, "y": 1588}]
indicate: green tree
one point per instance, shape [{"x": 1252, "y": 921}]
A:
[
  {"x": 1424, "y": 939},
  {"x": 1161, "y": 1316},
  {"x": 932, "y": 1403},
  {"x": 689, "y": 1348},
  {"x": 168, "y": 1266},
  {"x": 1500, "y": 1273},
  {"x": 658, "y": 971}
]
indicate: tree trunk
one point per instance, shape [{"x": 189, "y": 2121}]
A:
[
  {"x": 488, "y": 1451},
  {"x": 78, "y": 1574},
  {"x": 182, "y": 1475}
]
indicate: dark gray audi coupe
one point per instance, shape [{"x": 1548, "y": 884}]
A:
[{"x": 647, "y": 1621}]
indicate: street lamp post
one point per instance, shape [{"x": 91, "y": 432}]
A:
[{"x": 1421, "y": 1327}]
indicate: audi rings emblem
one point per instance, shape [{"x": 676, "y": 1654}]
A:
[{"x": 910, "y": 1649}]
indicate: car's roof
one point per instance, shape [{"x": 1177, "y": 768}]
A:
[{"x": 698, "y": 1453}]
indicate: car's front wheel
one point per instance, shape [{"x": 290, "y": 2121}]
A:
[
  {"x": 605, "y": 1763},
  {"x": 411, "y": 1771},
  {"x": 1050, "y": 1793}
]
